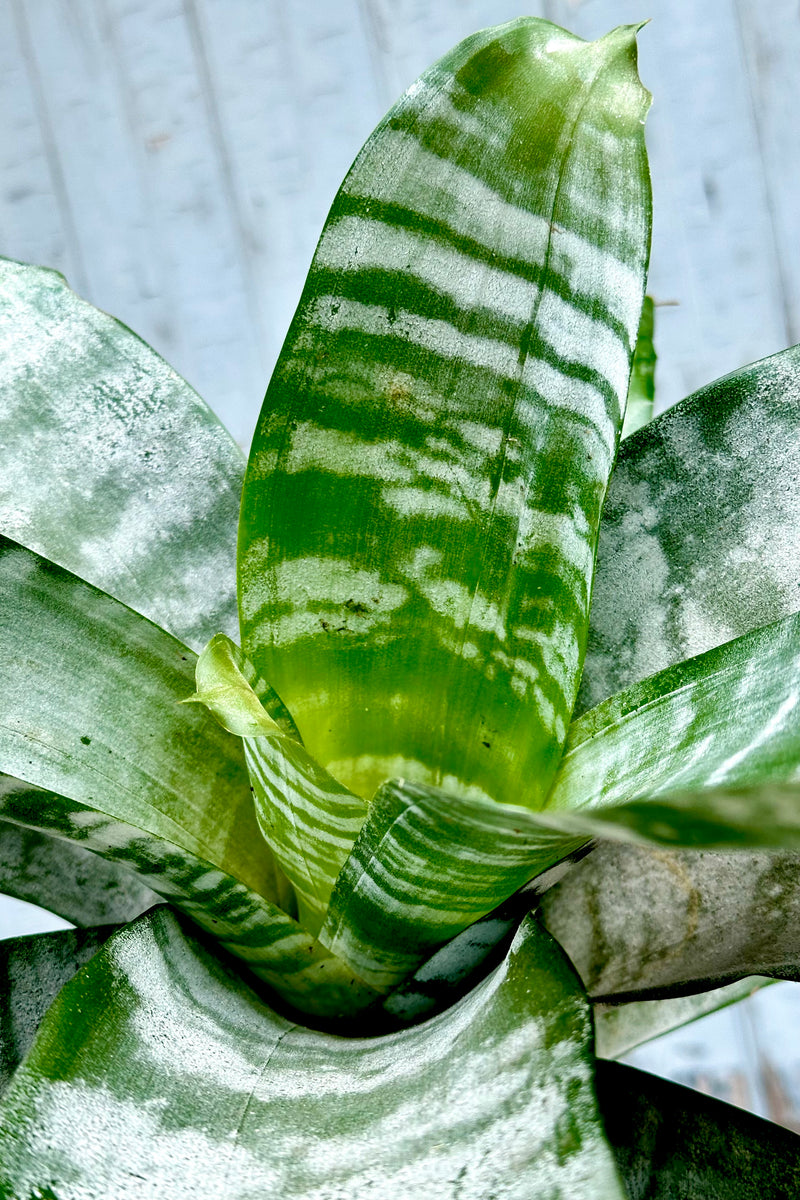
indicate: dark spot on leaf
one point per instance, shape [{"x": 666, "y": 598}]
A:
[
  {"x": 87, "y": 741},
  {"x": 355, "y": 606},
  {"x": 488, "y": 745}
]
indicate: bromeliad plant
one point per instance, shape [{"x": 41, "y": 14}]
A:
[{"x": 336, "y": 796}]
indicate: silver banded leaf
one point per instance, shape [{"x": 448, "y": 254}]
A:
[
  {"x": 720, "y": 732},
  {"x": 424, "y": 867},
  {"x": 68, "y": 880},
  {"x": 174, "y": 1073},
  {"x": 113, "y": 466},
  {"x": 306, "y": 816},
  {"x": 97, "y": 748},
  {"x": 33, "y": 971},
  {"x": 424, "y": 488},
  {"x": 699, "y": 539},
  {"x": 642, "y": 387},
  {"x": 706, "y": 754},
  {"x": 637, "y": 921}
]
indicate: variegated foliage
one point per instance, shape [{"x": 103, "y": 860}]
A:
[
  {"x": 466, "y": 331},
  {"x": 390, "y": 755}
]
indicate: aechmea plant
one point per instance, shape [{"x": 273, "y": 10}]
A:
[{"x": 351, "y": 796}]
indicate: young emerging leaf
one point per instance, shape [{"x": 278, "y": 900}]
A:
[
  {"x": 308, "y": 818},
  {"x": 422, "y": 499}
]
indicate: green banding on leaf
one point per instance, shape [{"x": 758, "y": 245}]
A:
[
  {"x": 425, "y": 866},
  {"x": 466, "y": 330},
  {"x": 98, "y": 749},
  {"x": 698, "y": 542},
  {"x": 113, "y": 466},
  {"x": 642, "y": 387},
  {"x": 309, "y": 820},
  {"x": 724, "y": 725},
  {"x": 704, "y": 755},
  {"x": 68, "y": 880},
  {"x": 158, "y": 1051}
]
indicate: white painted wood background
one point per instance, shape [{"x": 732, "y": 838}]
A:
[{"x": 176, "y": 159}]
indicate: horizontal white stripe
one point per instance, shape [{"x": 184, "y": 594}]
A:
[
  {"x": 358, "y": 244},
  {"x": 439, "y": 337}
]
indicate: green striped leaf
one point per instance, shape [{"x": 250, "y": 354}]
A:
[
  {"x": 704, "y": 755},
  {"x": 673, "y": 1142},
  {"x": 309, "y": 819},
  {"x": 424, "y": 867},
  {"x": 642, "y": 387},
  {"x": 717, "y": 737},
  {"x": 174, "y": 1073},
  {"x": 698, "y": 542},
  {"x": 113, "y": 466},
  {"x": 98, "y": 749},
  {"x": 68, "y": 880},
  {"x": 424, "y": 488},
  {"x": 33, "y": 971},
  {"x": 642, "y": 922}
]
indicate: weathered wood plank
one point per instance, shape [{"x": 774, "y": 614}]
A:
[{"x": 770, "y": 36}]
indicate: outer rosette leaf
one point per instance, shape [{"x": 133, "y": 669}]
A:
[
  {"x": 113, "y": 466},
  {"x": 33, "y": 971},
  {"x": 673, "y": 1142},
  {"x": 638, "y": 921},
  {"x": 620, "y": 1027},
  {"x": 174, "y": 1072},
  {"x": 425, "y": 483},
  {"x": 68, "y": 880},
  {"x": 99, "y": 750},
  {"x": 698, "y": 542}
]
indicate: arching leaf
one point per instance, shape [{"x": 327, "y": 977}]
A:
[
  {"x": 698, "y": 542},
  {"x": 97, "y": 748},
  {"x": 69, "y": 880},
  {"x": 424, "y": 488},
  {"x": 33, "y": 971},
  {"x": 671, "y": 1141},
  {"x": 639, "y": 921},
  {"x": 174, "y": 1072},
  {"x": 113, "y": 466}
]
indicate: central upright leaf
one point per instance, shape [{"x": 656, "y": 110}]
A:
[{"x": 422, "y": 500}]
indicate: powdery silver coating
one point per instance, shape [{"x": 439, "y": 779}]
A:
[
  {"x": 203, "y": 1086},
  {"x": 113, "y": 467}
]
